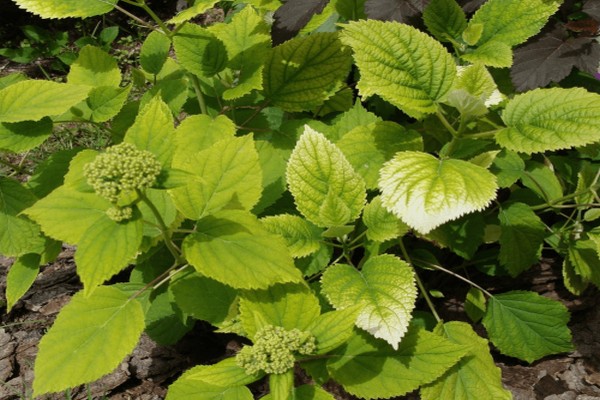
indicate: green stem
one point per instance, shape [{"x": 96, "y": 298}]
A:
[
  {"x": 199, "y": 94},
  {"x": 163, "y": 227},
  {"x": 445, "y": 122},
  {"x": 484, "y": 135},
  {"x": 134, "y": 17},
  {"x": 462, "y": 278},
  {"x": 420, "y": 283},
  {"x": 258, "y": 110},
  {"x": 555, "y": 203},
  {"x": 156, "y": 19}
]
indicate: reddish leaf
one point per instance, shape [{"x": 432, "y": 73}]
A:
[
  {"x": 551, "y": 57},
  {"x": 470, "y": 5},
  {"x": 293, "y": 16},
  {"x": 405, "y": 11},
  {"x": 592, "y": 8},
  {"x": 587, "y": 26}
]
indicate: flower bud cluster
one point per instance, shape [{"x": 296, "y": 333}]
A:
[
  {"x": 274, "y": 348},
  {"x": 119, "y": 214},
  {"x": 121, "y": 169}
]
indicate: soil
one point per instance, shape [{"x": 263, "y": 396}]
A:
[{"x": 150, "y": 369}]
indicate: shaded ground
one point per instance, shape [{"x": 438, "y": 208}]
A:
[{"x": 147, "y": 373}]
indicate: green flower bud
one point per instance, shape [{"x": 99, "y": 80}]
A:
[
  {"x": 274, "y": 348},
  {"x": 120, "y": 214},
  {"x": 121, "y": 168}
]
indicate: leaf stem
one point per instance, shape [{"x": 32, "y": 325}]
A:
[
  {"x": 419, "y": 282},
  {"x": 445, "y": 122},
  {"x": 462, "y": 278},
  {"x": 162, "y": 226},
  {"x": 556, "y": 202},
  {"x": 199, "y": 94},
  {"x": 132, "y": 16},
  {"x": 156, "y": 19},
  {"x": 484, "y": 135}
]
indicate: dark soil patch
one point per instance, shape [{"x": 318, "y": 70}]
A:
[{"x": 150, "y": 369}]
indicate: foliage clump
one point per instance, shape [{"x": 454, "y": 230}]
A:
[{"x": 273, "y": 350}]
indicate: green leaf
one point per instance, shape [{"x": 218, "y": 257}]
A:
[
  {"x": 385, "y": 287},
  {"x": 381, "y": 224},
  {"x": 401, "y": 64},
  {"x": 508, "y": 168},
  {"x": 67, "y": 8},
  {"x": 154, "y": 52},
  {"x": 325, "y": 187},
  {"x": 165, "y": 322},
  {"x": 94, "y": 67},
  {"x": 198, "y": 7},
  {"x": 475, "y": 304},
  {"x": 105, "y": 248},
  {"x": 306, "y": 392},
  {"x": 303, "y": 72},
  {"x": 333, "y": 328},
  {"x": 426, "y": 192},
  {"x": 445, "y": 19},
  {"x": 153, "y": 131},
  {"x": 233, "y": 248},
  {"x": 584, "y": 257},
  {"x": 199, "y": 132},
  {"x": 521, "y": 239},
  {"x": 227, "y": 173},
  {"x": 527, "y": 326},
  {"x": 493, "y": 53},
  {"x": 281, "y": 386},
  {"x": 108, "y": 322},
  {"x": 247, "y": 40},
  {"x": 355, "y": 117},
  {"x": 542, "y": 179},
  {"x": 474, "y": 377},
  {"x": 66, "y": 214},
  {"x": 174, "y": 92},
  {"x": 512, "y": 22},
  {"x": 368, "y": 147},
  {"x": 371, "y": 369},
  {"x": 185, "y": 389},
  {"x": 550, "y": 119},
  {"x": 301, "y": 236},
  {"x": 204, "y": 298},
  {"x": 11, "y": 79},
  {"x": 225, "y": 373},
  {"x": 19, "y": 137},
  {"x": 32, "y": 100},
  {"x": 574, "y": 283},
  {"x": 288, "y": 306},
  {"x": 106, "y": 102},
  {"x": 463, "y": 236},
  {"x": 476, "y": 80},
  {"x": 18, "y": 235},
  {"x": 20, "y": 277},
  {"x": 199, "y": 51}
]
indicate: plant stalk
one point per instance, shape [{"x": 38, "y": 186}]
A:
[{"x": 422, "y": 287}]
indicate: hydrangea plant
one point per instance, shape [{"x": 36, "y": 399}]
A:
[{"x": 291, "y": 175}]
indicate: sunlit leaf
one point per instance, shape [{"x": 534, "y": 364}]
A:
[
  {"x": 401, "y": 64},
  {"x": 385, "y": 287},
  {"x": 426, "y": 192},
  {"x": 325, "y": 187},
  {"x": 550, "y": 119},
  {"x": 108, "y": 322}
]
